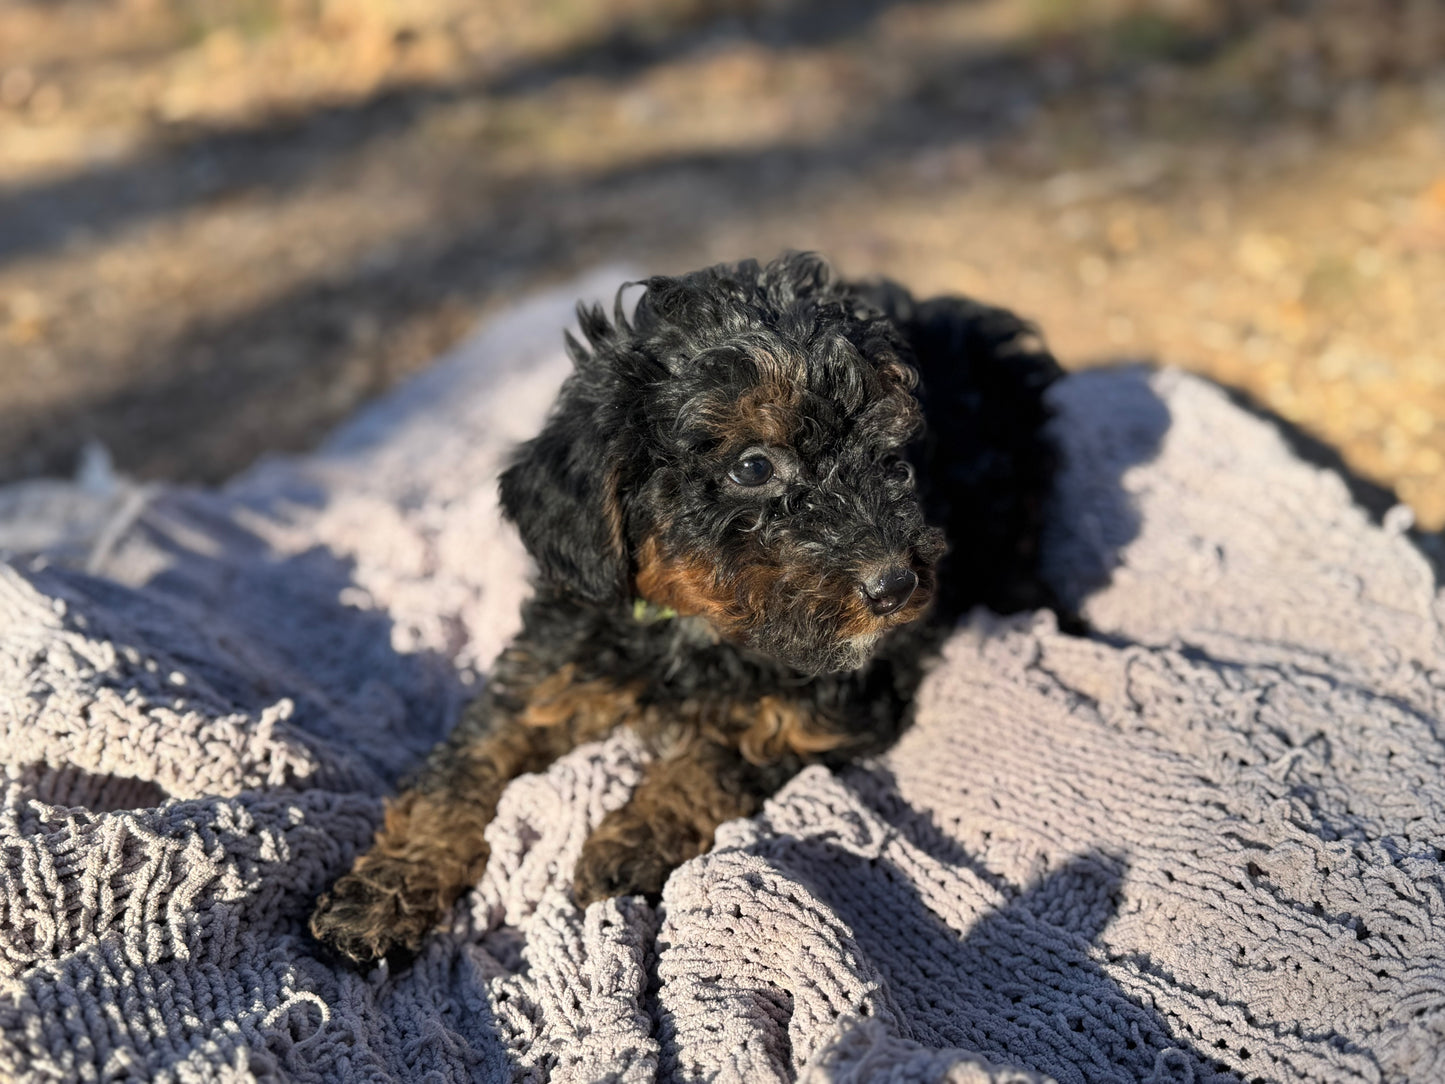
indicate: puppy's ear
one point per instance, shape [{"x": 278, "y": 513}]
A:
[{"x": 563, "y": 489}]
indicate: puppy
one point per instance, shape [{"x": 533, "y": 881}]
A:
[{"x": 743, "y": 505}]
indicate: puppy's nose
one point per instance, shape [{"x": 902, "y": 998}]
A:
[{"x": 889, "y": 591}]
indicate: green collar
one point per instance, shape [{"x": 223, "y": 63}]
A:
[{"x": 647, "y": 613}]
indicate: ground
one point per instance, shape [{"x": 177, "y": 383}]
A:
[{"x": 226, "y": 223}]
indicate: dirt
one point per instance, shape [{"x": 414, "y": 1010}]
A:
[{"x": 226, "y": 223}]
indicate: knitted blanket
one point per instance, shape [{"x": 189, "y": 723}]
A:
[{"x": 1204, "y": 843}]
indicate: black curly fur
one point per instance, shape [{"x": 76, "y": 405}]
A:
[{"x": 729, "y": 624}]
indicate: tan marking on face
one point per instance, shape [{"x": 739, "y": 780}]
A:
[
  {"x": 689, "y": 586},
  {"x": 766, "y": 413},
  {"x": 858, "y": 620}
]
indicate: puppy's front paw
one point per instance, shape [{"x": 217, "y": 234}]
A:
[
  {"x": 620, "y": 859},
  {"x": 370, "y": 914}
]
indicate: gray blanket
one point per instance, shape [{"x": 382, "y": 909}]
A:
[{"x": 1205, "y": 843}]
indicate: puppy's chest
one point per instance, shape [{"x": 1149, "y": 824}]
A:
[{"x": 677, "y": 689}]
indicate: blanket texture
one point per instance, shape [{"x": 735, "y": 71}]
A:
[{"x": 1204, "y": 843}]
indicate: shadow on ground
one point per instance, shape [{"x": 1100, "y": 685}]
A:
[
  {"x": 988, "y": 85},
  {"x": 211, "y": 397}
]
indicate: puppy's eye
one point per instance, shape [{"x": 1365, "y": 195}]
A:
[{"x": 751, "y": 470}]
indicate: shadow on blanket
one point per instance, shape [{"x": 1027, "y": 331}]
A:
[
  {"x": 1048, "y": 1010},
  {"x": 1093, "y": 517},
  {"x": 1055, "y": 1008},
  {"x": 296, "y": 626}
]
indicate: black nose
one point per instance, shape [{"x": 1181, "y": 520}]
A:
[{"x": 890, "y": 591}]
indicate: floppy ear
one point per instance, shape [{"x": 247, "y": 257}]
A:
[{"x": 562, "y": 490}]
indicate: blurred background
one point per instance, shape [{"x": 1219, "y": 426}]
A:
[{"x": 226, "y": 223}]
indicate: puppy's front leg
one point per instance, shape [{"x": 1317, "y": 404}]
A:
[
  {"x": 431, "y": 848},
  {"x": 671, "y": 817}
]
